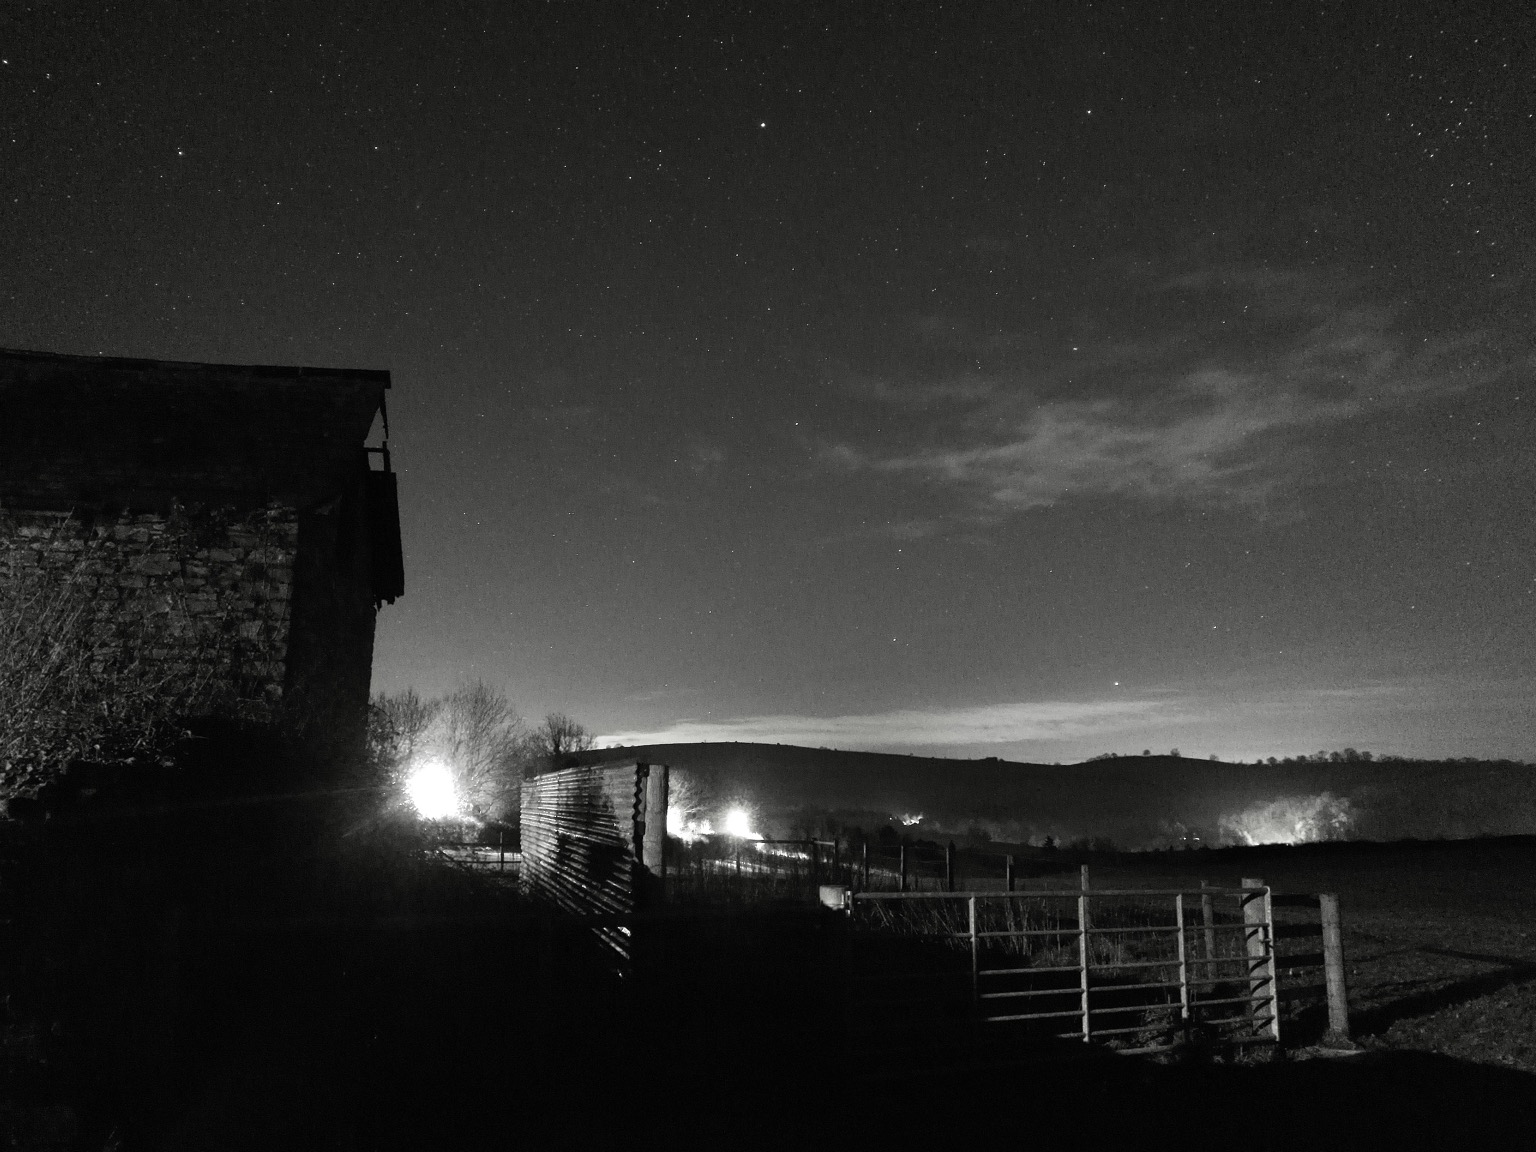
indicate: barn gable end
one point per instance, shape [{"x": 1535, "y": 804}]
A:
[{"x": 214, "y": 534}]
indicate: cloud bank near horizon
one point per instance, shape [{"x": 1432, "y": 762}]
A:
[
  {"x": 984, "y": 724},
  {"x": 1366, "y": 715}
]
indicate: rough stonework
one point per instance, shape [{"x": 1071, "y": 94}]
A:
[{"x": 186, "y": 541}]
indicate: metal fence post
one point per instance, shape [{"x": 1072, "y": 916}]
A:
[
  {"x": 1333, "y": 968},
  {"x": 1082, "y": 962},
  {"x": 864, "y": 850},
  {"x": 1009, "y": 873},
  {"x": 902, "y": 870},
  {"x": 949, "y": 867}
]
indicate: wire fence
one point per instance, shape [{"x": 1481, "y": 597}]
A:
[{"x": 736, "y": 870}]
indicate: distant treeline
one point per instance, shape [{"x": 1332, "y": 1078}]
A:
[{"x": 1341, "y": 756}]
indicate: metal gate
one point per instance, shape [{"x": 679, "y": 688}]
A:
[{"x": 1140, "y": 970}]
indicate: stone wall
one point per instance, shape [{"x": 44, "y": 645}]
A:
[{"x": 116, "y": 619}]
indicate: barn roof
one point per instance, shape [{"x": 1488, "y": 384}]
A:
[{"x": 80, "y": 432}]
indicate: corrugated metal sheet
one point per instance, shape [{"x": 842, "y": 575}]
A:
[{"x": 585, "y": 843}]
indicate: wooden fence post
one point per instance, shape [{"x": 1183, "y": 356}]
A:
[
  {"x": 1333, "y": 967},
  {"x": 1082, "y": 963},
  {"x": 901, "y": 885},
  {"x": 1261, "y": 965},
  {"x": 1010, "y": 872},
  {"x": 864, "y": 887},
  {"x": 653, "y": 829},
  {"x": 1208, "y": 916},
  {"x": 949, "y": 867},
  {"x": 1087, "y": 923},
  {"x": 1184, "y": 1011},
  {"x": 975, "y": 958}
]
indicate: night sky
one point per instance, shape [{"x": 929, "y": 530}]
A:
[{"x": 1031, "y": 381}]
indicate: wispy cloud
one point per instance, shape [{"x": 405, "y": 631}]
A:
[
  {"x": 1212, "y": 411},
  {"x": 984, "y": 724},
  {"x": 666, "y": 692},
  {"x": 704, "y": 458},
  {"x": 961, "y": 388}
]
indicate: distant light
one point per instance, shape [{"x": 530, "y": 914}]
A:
[
  {"x": 430, "y": 791},
  {"x": 1291, "y": 820},
  {"x": 764, "y": 124},
  {"x": 911, "y": 819},
  {"x": 738, "y": 822}
]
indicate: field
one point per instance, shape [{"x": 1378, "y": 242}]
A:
[{"x": 1439, "y": 936}]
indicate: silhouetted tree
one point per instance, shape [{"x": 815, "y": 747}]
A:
[
  {"x": 556, "y": 738},
  {"x": 483, "y": 740},
  {"x": 397, "y": 729},
  {"x": 474, "y": 731},
  {"x": 976, "y": 834}
]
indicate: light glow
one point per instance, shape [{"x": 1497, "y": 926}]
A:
[
  {"x": 738, "y": 823},
  {"x": 683, "y": 826},
  {"x": 1291, "y": 820},
  {"x": 431, "y": 792}
]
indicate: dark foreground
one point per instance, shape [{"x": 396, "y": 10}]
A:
[{"x": 280, "y": 995}]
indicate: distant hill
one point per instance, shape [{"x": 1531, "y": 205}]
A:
[{"x": 1137, "y": 801}]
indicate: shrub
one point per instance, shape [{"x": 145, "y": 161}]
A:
[{"x": 76, "y": 680}]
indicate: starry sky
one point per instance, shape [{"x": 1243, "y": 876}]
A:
[{"x": 1021, "y": 380}]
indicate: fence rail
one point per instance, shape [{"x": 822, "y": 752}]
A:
[{"x": 491, "y": 858}]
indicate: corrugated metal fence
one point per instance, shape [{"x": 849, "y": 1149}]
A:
[{"x": 593, "y": 838}]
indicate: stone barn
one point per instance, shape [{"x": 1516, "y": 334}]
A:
[{"x": 211, "y": 540}]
